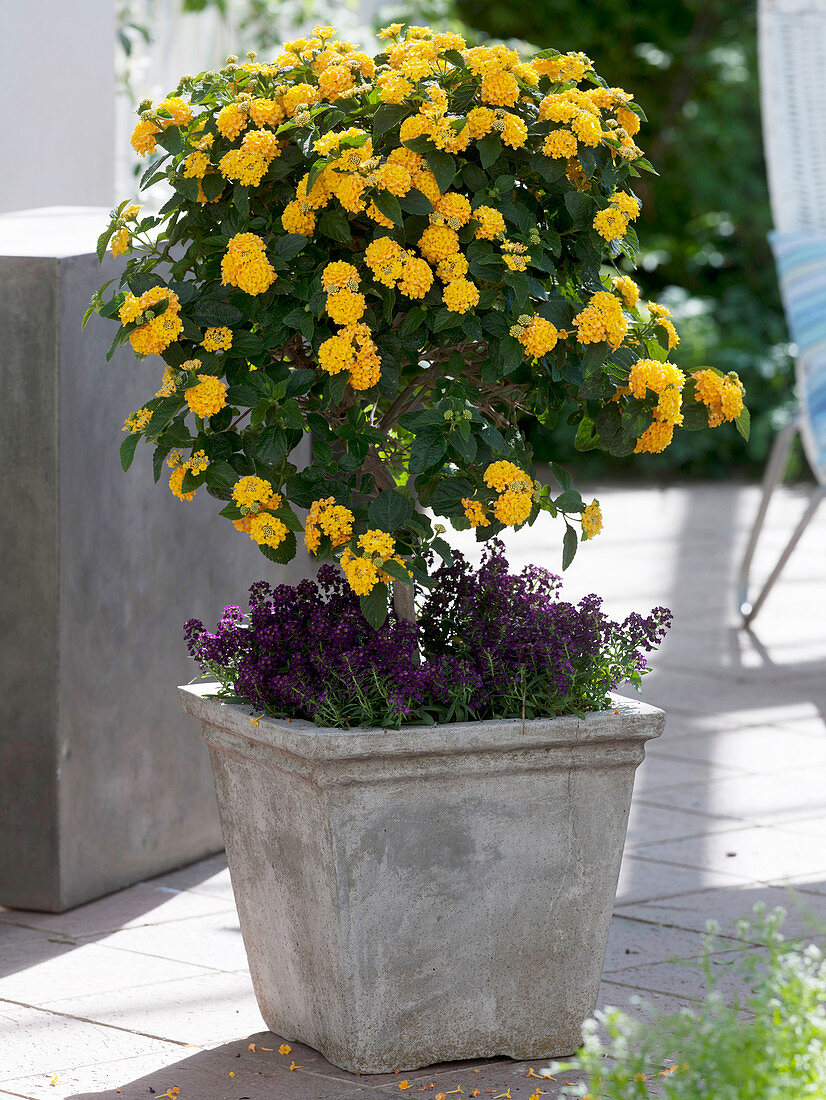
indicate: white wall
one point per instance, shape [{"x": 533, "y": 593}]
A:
[{"x": 57, "y": 90}]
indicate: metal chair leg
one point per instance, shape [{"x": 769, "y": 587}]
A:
[
  {"x": 773, "y": 475},
  {"x": 814, "y": 501}
]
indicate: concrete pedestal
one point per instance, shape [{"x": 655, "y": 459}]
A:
[{"x": 103, "y": 781}]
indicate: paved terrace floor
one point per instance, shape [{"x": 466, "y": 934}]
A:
[{"x": 147, "y": 990}]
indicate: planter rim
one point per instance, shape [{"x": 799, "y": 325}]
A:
[{"x": 627, "y": 720}]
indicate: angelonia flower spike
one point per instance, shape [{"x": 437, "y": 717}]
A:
[{"x": 409, "y": 257}]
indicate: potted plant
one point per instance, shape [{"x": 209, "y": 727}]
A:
[{"x": 409, "y": 257}]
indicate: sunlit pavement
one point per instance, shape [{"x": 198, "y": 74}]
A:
[{"x": 147, "y": 991}]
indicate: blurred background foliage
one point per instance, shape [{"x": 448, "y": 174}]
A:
[{"x": 692, "y": 66}]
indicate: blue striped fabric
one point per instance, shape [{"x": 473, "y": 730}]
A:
[{"x": 801, "y": 267}]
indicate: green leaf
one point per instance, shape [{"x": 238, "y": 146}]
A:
[
  {"x": 127, "y": 450},
  {"x": 389, "y": 206},
  {"x": 443, "y": 550},
  {"x": 212, "y": 185},
  {"x": 562, "y": 476},
  {"x": 414, "y": 202},
  {"x": 299, "y": 381},
  {"x": 427, "y": 450},
  {"x": 743, "y": 424},
  {"x": 241, "y": 200},
  {"x": 569, "y": 501},
  {"x": 220, "y": 475},
  {"x": 608, "y": 422},
  {"x": 443, "y": 167},
  {"x": 186, "y": 187},
  {"x": 586, "y": 440},
  {"x": 289, "y": 519},
  {"x": 390, "y": 510},
  {"x": 218, "y": 314},
  {"x": 464, "y": 447},
  {"x": 333, "y": 224},
  {"x": 283, "y": 553},
  {"x": 103, "y": 242},
  {"x": 474, "y": 177},
  {"x": 171, "y": 140},
  {"x": 581, "y": 208},
  {"x": 569, "y": 546},
  {"x": 398, "y": 571},
  {"x": 316, "y": 170},
  {"x": 490, "y": 149},
  {"x": 374, "y": 605},
  {"x": 387, "y": 117},
  {"x": 288, "y": 246},
  {"x": 271, "y": 446}
]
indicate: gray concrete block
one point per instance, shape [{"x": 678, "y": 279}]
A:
[
  {"x": 102, "y": 781},
  {"x": 429, "y": 894}
]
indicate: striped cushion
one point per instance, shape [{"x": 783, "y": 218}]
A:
[{"x": 801, "y": 267}]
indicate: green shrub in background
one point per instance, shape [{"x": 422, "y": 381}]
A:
[
  {"x": 771, "y": 1045},
  {"x": 704, "y": 220}
]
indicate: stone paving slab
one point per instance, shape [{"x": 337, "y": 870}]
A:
[
  {"x": 691, "y": 912},
  {"x": 209, "y": 942},
  {"x": 199, "y": 1011},
  {"x": 35, "y": 1040},
  {"x": 148, "y": 989},
  {"x": 756, "y": 853}
]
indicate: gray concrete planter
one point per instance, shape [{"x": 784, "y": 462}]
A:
[{"x": 430, "y": 894}]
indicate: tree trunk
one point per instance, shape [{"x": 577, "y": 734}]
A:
[{"x": 403, "y": 600}]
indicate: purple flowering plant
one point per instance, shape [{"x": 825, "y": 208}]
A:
[{"x": 488, "y": 643}]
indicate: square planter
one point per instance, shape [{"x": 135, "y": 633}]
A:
[{"x": 428, "y": 894}]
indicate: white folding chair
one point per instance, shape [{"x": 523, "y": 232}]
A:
[{"x": 792, "y": 55}]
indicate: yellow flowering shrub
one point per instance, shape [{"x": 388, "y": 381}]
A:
[{"x": 409, "y": 257}]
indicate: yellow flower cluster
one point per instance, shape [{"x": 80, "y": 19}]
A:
[
  {"x": 252, "y": 493},
  {"x": 460, "y": 295},
  {"x": 475, "y": 513},
  {"x": 559, "y": 144},
  {"x": 169, "y": 382},
  {"x": 172, "y": 111},
  {"x": 489, "y": 223},
  {"x": 352, "y": 348},
  {"x": 627, "y": 290},
  {"x": 137, "y": 421},
  {"x": 513, "y": 508},
  {"x": 612, "y": 222},
  {"x": 197, "y": 464},
  {"x": 721, "y": 394},
  {"x": 362, "y": 573},
  {"x": 514, "y": 253},
  {"x": 267, "y": 530},
  {"x": 515, "y": 491},
  {"x": 536, "y": 335},
  {"x": 602, "y": 319},
  {"x": 378, "y": 543},
  {"x": 246, "y": 266},
  {"x": 121, "y": 241},
  {"x": 667, "y": 381},
  {"x": 503, "y": 475},
  {"x": 156, "y": 330},
  {"x": 661, "y": 315},
  {"x": 217, "y": 339},
  {"x": 327, "y": 518},
  {"x": 592, "y": 520},
  {"x": 249, "y": 164},
  {"x": 208, "y": 397}
]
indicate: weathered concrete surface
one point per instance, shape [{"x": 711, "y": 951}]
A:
[
  {"x": 103, "y": 782},
  {"x": 431, "y": 894}
]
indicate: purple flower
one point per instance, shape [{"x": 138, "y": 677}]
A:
[{"x": 488, "y": 643}]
